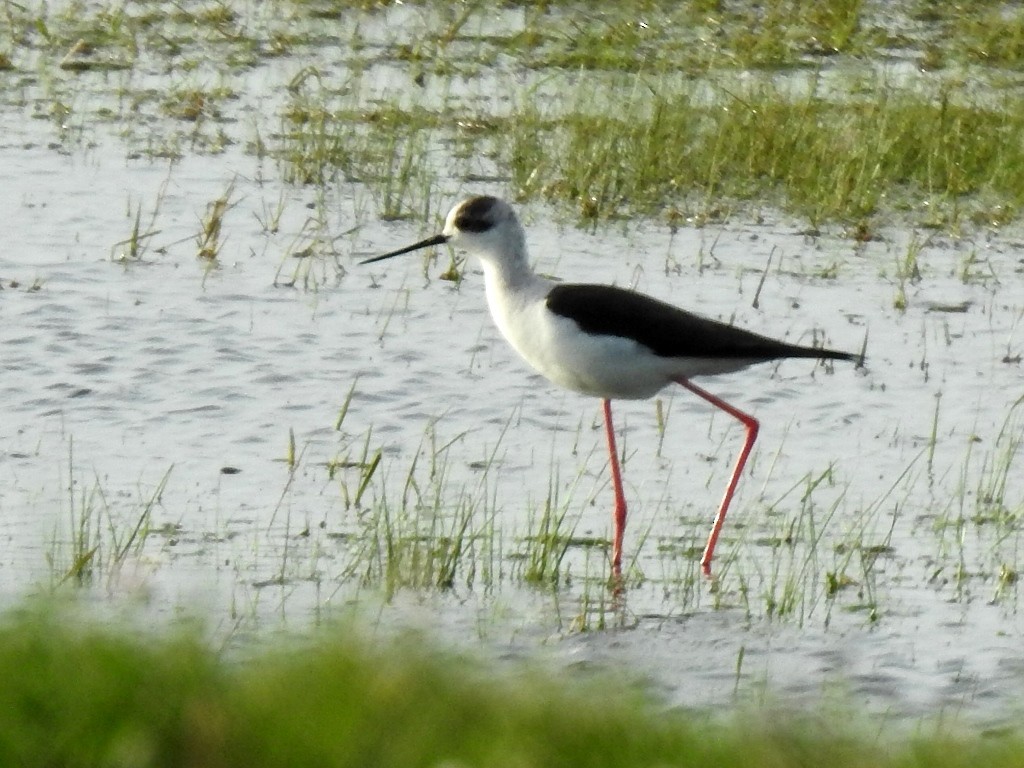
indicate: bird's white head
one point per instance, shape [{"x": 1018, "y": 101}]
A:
[
  {"x": 488, "y": 228},
  {"x": 485, "y": 226}
]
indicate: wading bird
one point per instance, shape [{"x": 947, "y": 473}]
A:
[{"x": 605, "y": 341}]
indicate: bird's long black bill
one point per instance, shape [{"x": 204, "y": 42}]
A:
[{"x": 435, "y": 240}]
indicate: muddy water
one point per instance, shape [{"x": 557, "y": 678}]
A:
[{"x": 120, "y": 372}]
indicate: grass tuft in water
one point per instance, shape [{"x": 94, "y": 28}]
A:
[
  {"x": 435, "y": 536},
  {"x": 100, "y": 536},
  {"x": 209, "y": 241},
  {"x": 547, "y": 542},
  {"x": 327, "y": 135},
  {"x": 993, "y": 504}
]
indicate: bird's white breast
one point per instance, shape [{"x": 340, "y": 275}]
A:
[{"x": 555, "y": 346}]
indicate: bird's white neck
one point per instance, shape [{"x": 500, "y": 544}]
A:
[
  {"x": 508, "y": 269},
  {"x": 512, "y": 288}
]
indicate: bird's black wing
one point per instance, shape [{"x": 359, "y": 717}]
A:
[{"x": 667, "y": 330}]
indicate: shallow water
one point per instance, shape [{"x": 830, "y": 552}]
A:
[{"x": 117, "y": 372}]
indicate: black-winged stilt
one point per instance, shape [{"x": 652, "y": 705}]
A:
[{"x": 605, "y": 341}]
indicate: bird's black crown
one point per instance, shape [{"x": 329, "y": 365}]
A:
[{"x": 476, "y": 214}]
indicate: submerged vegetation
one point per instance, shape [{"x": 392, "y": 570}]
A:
[{"x": 414, "y": 525}]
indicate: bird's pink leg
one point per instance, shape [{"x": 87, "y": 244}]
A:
[
  {"x": 752, "y": 426},
  {"x": 620, "y": 497}
]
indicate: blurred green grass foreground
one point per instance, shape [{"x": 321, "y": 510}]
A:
[{"x": 73, "y": 693}]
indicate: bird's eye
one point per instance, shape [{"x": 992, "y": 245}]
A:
[{"x": 470, "y": 224}]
